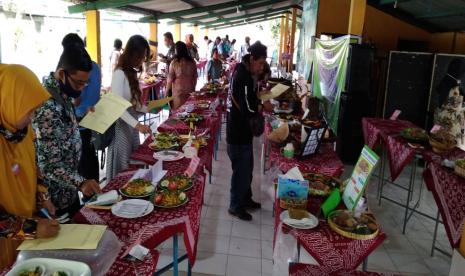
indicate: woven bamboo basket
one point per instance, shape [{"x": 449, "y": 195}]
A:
[
  {"x": 349, "y": 234},
  {"x": 441, "y": 147}
]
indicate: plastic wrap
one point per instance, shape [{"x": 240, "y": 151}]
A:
[
  {"x": 99, "y": 260},
  {"x": 285, "y": 251}
]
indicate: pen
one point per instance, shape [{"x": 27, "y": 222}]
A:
[{"x": 45, "y": 213}]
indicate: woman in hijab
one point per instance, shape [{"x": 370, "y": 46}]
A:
[{"x": 20, "y": 195}]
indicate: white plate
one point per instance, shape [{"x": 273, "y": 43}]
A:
[
  {"x": 314, "y": 221},
  {"x": 73, "y": 268},
  {"x": 122, "y": 210},
  {"x": 168, "y": 155}
]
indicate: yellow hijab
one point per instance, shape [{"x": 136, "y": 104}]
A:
[{"x": 20, "y": 93}]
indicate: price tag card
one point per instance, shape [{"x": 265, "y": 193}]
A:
[
  {"x": 435, "y": 129},
  {"x": 395, "y": 115},
  {"x": 192, "y": 166}
]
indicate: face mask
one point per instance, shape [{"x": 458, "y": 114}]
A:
[
  {"x": 15, "y": 137},
  {"x": 68, "y": 89}
]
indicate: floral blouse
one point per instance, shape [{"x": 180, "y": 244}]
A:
[{"x": 58, "y": 146}]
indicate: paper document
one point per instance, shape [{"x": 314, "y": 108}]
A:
[
  {"x": 108, "y": 109},
  {"x": 71, "y": 236},
  {"x": 276, "y": 91},
  {"x": 158, "y": 103},
  {"x": 107, "y": 198}
]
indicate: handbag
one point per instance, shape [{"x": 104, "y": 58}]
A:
[{"x": 256, "y": 122}]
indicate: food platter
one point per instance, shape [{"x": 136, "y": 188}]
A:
[
  {"x": 176, "y": 182},
  {"x": 167, "y": 199},
  {"x": 137, "y": 188},
  {"x": 346, "y": 224},
  {"x": 190, "y": 118},
  {"x": 198, "y": 142},
  {"x": 49, "y": 267},
  {"x": 414, "y": 134},
  {"x": 163, "y": 145},
  {"x": 322, "y": 185},
  {"x": 168, "y": 155},
  {"x": 307, "y": 221}
]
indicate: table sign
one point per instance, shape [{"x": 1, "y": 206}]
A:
[
  {"x": 356, "y": 184},
  {"x": 292, "y": 189},
  {"x": 435, "y": 129},
  {"x": 395, "y": 115},
  {"x": 192, "y": 166}
]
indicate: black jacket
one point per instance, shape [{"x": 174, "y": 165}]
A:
[{"x": 243, "y": 90}]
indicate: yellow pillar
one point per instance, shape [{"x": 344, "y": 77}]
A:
[
  {"x": 357, "y": 16},
  {"x": 286, "y": 37},
  {"x": 177, "y": 32},
  {"x": 291, "y": 47},
  {"x": 154, "y": 37},
  {"x": 93, "y": 35},
  {"x": 196, "y": 33},
  {"x": 281, "y": 41}
]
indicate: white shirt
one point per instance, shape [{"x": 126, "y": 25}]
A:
[{"x": 120, "y": 86}]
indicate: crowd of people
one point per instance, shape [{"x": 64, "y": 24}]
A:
[{"x": 47, "y": 158}]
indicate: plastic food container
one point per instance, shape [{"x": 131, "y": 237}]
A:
[{"x": 99, "y": 260}]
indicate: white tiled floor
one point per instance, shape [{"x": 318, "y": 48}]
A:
[{"x": 228, "y": 246}]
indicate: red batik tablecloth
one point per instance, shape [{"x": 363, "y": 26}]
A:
[
  {"x": 147, "y": 89},
  {"x": 161, "y": 224},
  {"x": 328, "y": 248},
  {"x": 325, "y": 161},
  {"x": 449, "y": 193},
  {"x": 298, "y": 269},
  {"x": 399, "y": 153}
]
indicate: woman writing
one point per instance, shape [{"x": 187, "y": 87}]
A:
[
  {"x": 20, "y": 195},
  {"x": 182, "y": 77},
  {"x": 125, "y": 84}
]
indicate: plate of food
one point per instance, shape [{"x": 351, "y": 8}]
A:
[
  {"x": 198, "y": 142},
  {"x": 312, "y": 122},
  {"x": 163, "y": 145},
  {"x": 346, "y": 224},
  {"x": 176, "y": 182},
  {"x": 414, "y": 134},
  {"x": 166, "y": 198},
  {"x": 300, "y": 219},
  {"x": 168, "y": 155},
  {"x": 132, "y": 208},
  {"x": 190, "y": 117},
  {"x": 322, "y": 185},
  {"x": 442, "y": 141},
  {"x": 137, "y": 188},
  {"x": 165, "y": 137},
  {"x": 49, "y": 267}
]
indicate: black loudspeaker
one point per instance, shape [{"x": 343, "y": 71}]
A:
[
  {"x": 357, "y": 101},
  {"x": 407, "y": 85}
]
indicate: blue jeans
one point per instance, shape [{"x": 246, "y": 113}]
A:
[{"x": 241, "y": 157}]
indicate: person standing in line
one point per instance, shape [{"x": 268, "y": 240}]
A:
[
  {"x": 214, "y": 45},
  {"x": 214, "y": 67},
  {"x": 90, "y": 95},
  {"x": 115, "y": 54},
  {"x": 169, "y": 43},
  {"x": 244, "y": 49},
  {"x": 58, "y": 142},
  {"x": 192, "y": 48},
  {"x": 21, "y": 194},
  {"x": 125, "y": 83},
  {"x": 182, "y": 77},
  {"x": 205, "y": 47},
  {"x": 243, "y": 104},
  {"x": 232, "y": 50}
]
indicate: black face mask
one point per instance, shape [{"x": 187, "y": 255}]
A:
[
  {"x": 15, "y": 137},
  {"x": 68, "y": 89}
]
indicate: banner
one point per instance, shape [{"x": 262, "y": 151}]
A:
[
  {"x": 307, "y": 33},
  {"x": 329, "y": 75}
]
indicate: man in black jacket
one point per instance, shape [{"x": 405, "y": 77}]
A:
[{"x": 243, "y": 103}]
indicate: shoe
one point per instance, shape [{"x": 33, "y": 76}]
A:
[
  {"x": 252, "y": 205},
  {"x": 241, "y": 214}
]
